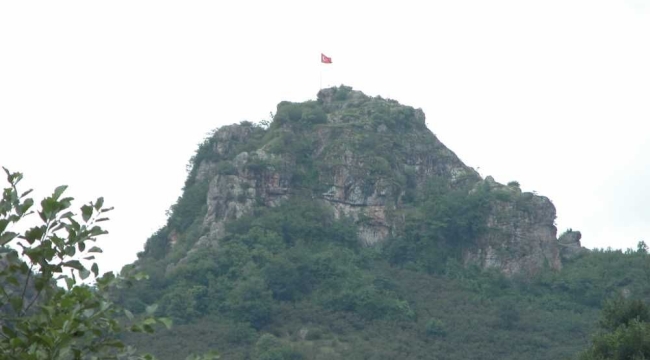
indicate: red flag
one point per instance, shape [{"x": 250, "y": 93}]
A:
[{"x": 325, "y": 60}]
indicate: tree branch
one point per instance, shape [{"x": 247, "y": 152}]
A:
[
  {"x": 5, "y": 336},
  {"x": 31, "y": 302},
  {"x": 29, "y": 274}
]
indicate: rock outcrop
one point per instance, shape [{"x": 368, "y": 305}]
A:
[
  {"x": 521, "y": 235},
  {"x": 570, "y": 246}
]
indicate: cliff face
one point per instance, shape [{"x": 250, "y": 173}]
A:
[
  {"x": 521, "y": 235},
  {"x": 368, "y": 159}
]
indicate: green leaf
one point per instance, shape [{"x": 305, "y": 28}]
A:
[
  {"x": 7, "y": 331},
  {"x": 148, "y": 329},
  {"x": 16, "y": 342},
  {"x": 82, "y": 246},
  {"x": 84, "y": 274},
  {"x": 6, "y": 237},
  {"x": 99, "y": 203},
  {"x": 141, "y": 276},
  {"x": 65, "y": 203},
  {"x": 95, "y": 249},
  {"x": 96, "y": 231},
  {"x": 128, "y": 314},
  {"x": 25, "y": 206},
  {"x": 40, "y": 283},
  {"x": 75, "y": 264},
  {"x": 86, "y": 212},
  {"x": 3, "y": 224},
  {"x": 70, "y": 251},
  {"x": 151, "y": 309},
  {"x": 167, "y": 322},
  {"x": 34, "y": 234},
  {"x": 95, "y": 269},
  {"x": 26, "y": 193},
  {"x": 69, "y": 282},
  {"x": 50, "y": 207},
  {"x": 58, "y": 191}
]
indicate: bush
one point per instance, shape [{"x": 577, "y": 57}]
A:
[
  {"x": 435, "y": 327},
  {"x": 306, "y": 114},
  {"x": 241, "y": 334},
  {"x": 268, "y": 347},
  {"x": 226, "y": 168},
  {"x": 514, "y": 184},
  {"x": 342, "y": 93}
]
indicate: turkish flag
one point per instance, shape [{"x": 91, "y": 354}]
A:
[{"x": 325, "y": 60}]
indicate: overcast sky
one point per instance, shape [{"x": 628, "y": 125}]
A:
[{"x": 113, "y": 97}]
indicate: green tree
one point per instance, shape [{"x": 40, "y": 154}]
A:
[
  {"x": 38, "y": 318},
  {"x": 625, "y": 332}
]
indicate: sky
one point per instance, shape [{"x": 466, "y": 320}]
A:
[{"x": 112, "y": 98}]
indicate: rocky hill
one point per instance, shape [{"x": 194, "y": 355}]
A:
[
  {"x": 344, "y": 229},
  {"x": 368, "y": 159}
]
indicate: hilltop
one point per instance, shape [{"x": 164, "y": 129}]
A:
[{"x": 372, "y": 160}]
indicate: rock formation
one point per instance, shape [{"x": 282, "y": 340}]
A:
[{"x": 366, "y": 158}]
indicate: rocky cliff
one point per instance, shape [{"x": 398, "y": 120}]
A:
[{"x": 368, "y": 159}]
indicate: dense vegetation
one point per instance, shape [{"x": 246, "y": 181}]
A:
[
  {"x": 293, "y": 281},
  {"x": 296, "y": 279},
  {"x": 624, "y": 331}
]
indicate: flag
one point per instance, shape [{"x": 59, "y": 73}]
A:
[{"x": 325, "y": 60}]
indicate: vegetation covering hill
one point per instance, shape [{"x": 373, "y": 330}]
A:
[{"x": 345, "y": 230}]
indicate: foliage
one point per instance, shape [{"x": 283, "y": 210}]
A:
[
  {"x": 435, "y": 327},
  {"x": 624, "y": 332},
  {"x": 444, "y": 222},
  {"x": 268, "y": 347},
  {"x": 301, "y": 114},
  {"x": 298, "y": 277},
  {"x": 514, "y": 184},
  {"x": 342, "y": 93},
  {"x": 41, "y": 320}
]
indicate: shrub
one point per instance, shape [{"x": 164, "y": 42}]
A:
[
  {"x": 513, "y": 184},
  {"x": 226, "y": 168},
  {"x": 435, "y": 327},
  {"x": 342, "y": 93}
]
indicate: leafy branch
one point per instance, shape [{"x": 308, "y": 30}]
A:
[{"x": 38, "y": 318}]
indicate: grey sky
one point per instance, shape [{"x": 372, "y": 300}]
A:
[{"x": 112, "y": 98}]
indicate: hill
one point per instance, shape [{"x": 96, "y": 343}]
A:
[{"x": 345, "y": 229}]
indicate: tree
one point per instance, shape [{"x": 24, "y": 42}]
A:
[
  {"x": 38, "y": 318},
  {"x": 624, "y": 334},
  {"x": 642, "y": 247}
]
